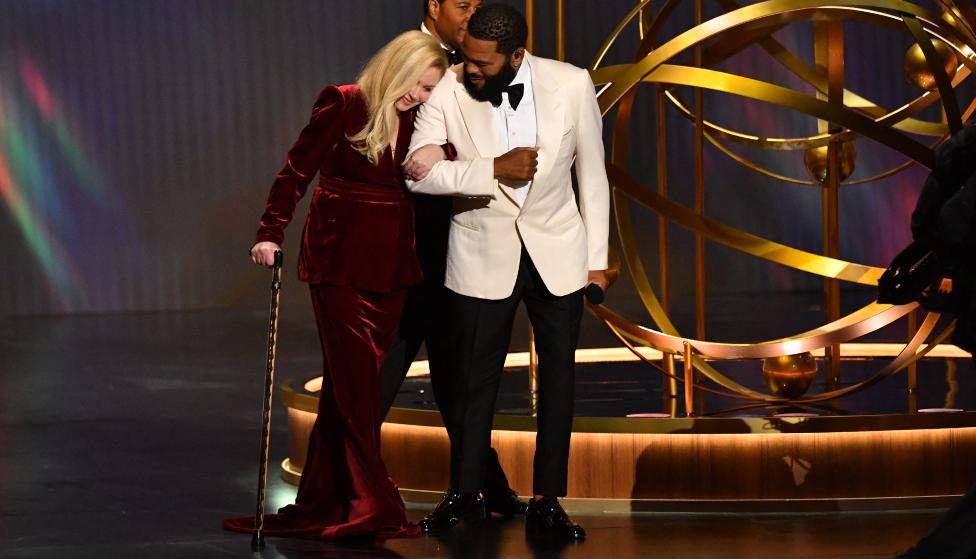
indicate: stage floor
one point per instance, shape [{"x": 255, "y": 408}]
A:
[{"x": 133, "y": 435}]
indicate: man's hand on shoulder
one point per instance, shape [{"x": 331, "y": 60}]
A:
[{"x": 519, "y": 164}]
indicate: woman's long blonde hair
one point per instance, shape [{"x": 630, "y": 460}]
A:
[{"x": 389, "y": 75}]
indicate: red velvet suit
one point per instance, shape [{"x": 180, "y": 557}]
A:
[
  {"x": 358, "y": 255},
  {"x": 360, "y": 229}
]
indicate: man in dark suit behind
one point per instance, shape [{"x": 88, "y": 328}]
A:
[
  {"x": 945, "y": 215},
  {"x": 424, "y": 317}
]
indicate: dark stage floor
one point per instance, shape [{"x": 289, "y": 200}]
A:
[{"x": 133, "y": 435}]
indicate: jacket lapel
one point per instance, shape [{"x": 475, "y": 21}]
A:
[
  {"x": 549, "y": 116},
  {"x": 480, "y": 123},
  {"x": 478, "y": 120}
]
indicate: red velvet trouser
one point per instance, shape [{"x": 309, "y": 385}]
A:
[{"x": 345, "y": 489}]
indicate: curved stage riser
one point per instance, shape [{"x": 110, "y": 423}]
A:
[{"x": 682, "y": 466}]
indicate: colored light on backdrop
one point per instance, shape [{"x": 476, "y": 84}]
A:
[{"x": 42, "y": 202}]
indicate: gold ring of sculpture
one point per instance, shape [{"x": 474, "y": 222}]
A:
[
  {"x": 856, "y": 116},
  {"x": 719, "y": 50}
]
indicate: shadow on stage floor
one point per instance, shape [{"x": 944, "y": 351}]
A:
[{"x": 133, "y": 435}]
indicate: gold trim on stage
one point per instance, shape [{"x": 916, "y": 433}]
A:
[
  {"x": 730, "y": 463},
  {"x": 306, "y": 402},
  {"x": 421, "y": 367}
]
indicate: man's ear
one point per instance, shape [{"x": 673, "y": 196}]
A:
[
  {"x": 517, "y": 57},
  {"x": 433, "y": 8}
]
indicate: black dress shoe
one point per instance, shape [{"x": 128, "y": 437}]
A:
[
  {"x": 506, "y": 504},
  {"x": 453, "y": 508},
  {"x": 546, "y": 517}
]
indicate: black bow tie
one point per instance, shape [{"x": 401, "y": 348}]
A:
[
  {"x": 514, "y": 91},
  {"x": 453, "y": 57}
]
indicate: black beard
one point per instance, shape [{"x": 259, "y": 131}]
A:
[{"x": 493, "y": 84}]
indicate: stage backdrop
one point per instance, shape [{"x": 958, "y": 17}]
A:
[{"x": 138, "y": 139}]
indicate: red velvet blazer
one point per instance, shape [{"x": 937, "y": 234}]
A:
[{"x": 360, "y": 225}]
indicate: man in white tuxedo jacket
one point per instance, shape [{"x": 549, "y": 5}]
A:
[
  {"x": 424, "y": 318},
  {"x": 518, "y": 233}
]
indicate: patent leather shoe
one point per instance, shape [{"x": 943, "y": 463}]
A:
[
  {"x": 455, "y": 507},
  {"x": 506, "y": 504},
  {"x": 546, "y": 517}
]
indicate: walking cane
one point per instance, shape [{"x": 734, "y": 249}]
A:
[{"x": 257, "y": 538}]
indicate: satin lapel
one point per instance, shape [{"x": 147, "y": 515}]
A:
[
  {"x": 549, "y": 116},
  {"x": 479, "y": 122}
]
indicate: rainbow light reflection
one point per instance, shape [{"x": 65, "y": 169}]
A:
[{"x": 40, "y": 201}]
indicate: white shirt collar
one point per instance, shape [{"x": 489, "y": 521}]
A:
[
  {"x": 423, "y": 27},
  {"x": 517, "y": 127},
  {"x": 524, "y": 74}
]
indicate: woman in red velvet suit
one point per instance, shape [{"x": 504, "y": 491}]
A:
[{"x": 358, "y": 256}]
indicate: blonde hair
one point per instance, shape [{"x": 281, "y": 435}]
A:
[{"x": 389, "y": 75}]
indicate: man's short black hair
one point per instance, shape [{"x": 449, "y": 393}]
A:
[
  {"x": 502, "y": 23},
  {"x": 427, "y": 6}
]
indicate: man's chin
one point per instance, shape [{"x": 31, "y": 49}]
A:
[
  {"x": 474, "y": 90},
  {"x": 473, "y": 87}
]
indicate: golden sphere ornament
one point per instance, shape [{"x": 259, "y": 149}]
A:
[
  {"x": 815, "y": 160},
  {"x": 917, "y": 68},
  {"x": 790, "y": 376},
  {"x": 951, "y": 16}
]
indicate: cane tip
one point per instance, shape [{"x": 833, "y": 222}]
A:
[{"x": 257, "y": 541}]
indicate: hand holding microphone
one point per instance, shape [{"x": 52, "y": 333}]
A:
[
  {"x": 597, "y": 283},
  {"x": 595, "y": 294}
]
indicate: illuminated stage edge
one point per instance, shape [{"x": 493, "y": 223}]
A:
[{"x": 709, "y": 464}]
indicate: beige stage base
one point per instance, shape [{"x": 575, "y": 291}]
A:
[{"x": 711, "y": 464}]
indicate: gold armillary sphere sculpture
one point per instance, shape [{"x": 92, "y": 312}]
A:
[{"x": 943, "y": 57}]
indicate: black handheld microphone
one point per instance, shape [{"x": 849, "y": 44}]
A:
[{"x": 594, "y": 294}]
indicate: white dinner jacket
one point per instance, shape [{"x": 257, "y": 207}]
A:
[{"x": 488, "y": 227}]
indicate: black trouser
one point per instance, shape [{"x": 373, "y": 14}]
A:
[
  {"x": 480, "y": 332},
  {"x": 425, "y": 320}
]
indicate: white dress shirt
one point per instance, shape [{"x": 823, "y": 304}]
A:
[
  {"x": 423, "y": 27},
  {"x": 517, "y": 127}
]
